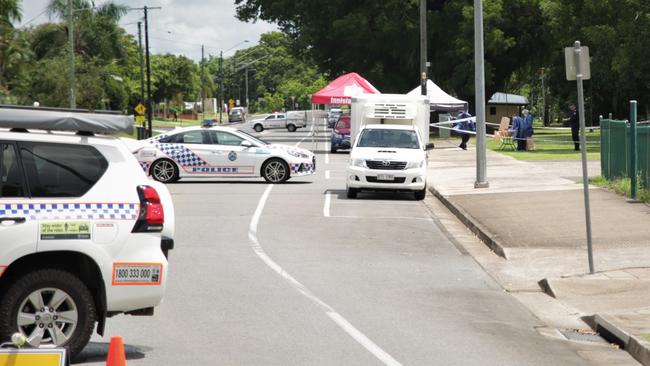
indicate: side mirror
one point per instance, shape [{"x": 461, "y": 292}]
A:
[
  {"x": 428, "y": 146},
  {"x": 246, "y": 143}
]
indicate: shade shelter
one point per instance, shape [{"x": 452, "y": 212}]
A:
[
  {"x": 504, "y": 105},
  {"x": 342, "y": 89},
  {"x": 439, "y": 101}
]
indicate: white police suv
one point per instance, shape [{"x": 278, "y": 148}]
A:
[
  {"x": 84, "y": 233},
  {"x": 219, "y": 152}
]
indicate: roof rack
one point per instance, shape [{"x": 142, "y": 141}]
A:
[{"x": 63, "y": 119}]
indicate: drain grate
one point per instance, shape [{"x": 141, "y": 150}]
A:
[{"x": 582, "y": 335}]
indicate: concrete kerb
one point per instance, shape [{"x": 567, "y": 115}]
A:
[
  {"x": 639, "y": 349},
  {"x": 473, "y": 225}
]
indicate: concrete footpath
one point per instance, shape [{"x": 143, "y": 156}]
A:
[{"x": 532, "y": 219}]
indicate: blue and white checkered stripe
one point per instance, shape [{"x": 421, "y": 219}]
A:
[
  {"x": 72, "y": 211},
  {"x": 178, "y": 152},
  {"x": 295, "y": 168}
]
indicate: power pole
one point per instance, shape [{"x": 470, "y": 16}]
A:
[
  {"x": 141, "y": 62},
  {"x": 73, "y": 86},
  {"x": 148, "y": 104},
  {"x": 220, "y": 99},
  {"x": 423, "y": 46},
  {"x": 479, "y": 87},
  {"x": 202, "y": 81},
  {"x": 246, "y": 88}
]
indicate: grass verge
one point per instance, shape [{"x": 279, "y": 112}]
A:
[
  {"x": 552, "y": 145},
  {"x": 621, "y": 186}
]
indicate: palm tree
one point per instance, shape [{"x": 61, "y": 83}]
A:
[{"x": 10, "y": 11}]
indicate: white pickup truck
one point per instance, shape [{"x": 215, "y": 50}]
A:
[
  {"x": 390, "y": 142},
  {"x": 290, "y": 120}
]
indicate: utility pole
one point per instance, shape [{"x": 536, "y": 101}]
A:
[
  {"x": 73, "y": 82},
  {"x": 423, "y": 46},
  {"x": 247, "y": 87},
  {"x": 141, "y": 62},
  {"x": 202, "y": 80},
  {"x": 479, "y": 87},
  {"x": 148, "y": 104},
  {"x": 544, "y": 111},
  {"x": 220, "y": 99}
]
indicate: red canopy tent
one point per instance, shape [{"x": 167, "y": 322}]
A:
[{"x": 341, "y": 90}]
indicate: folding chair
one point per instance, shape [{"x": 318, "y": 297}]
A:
[{"x": 505, "y": 135}]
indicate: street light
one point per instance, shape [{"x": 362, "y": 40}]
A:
[{"x": 221, "y": 77}]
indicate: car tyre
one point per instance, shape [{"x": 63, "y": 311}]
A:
[
  {"x": 352, "y": 192},
  {"x": 164, "y": 170},
  {"x": 275, "y": 171},
  {"x": 63, "y": 297},
  {"x": 419, "y": 195},
  {"x": 258, "y": 128},
  {"x": 291, "y": 128}
]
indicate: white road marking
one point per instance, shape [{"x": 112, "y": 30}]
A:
[
  {"x": 327, "y": 174},
  {"x": 339, "y": 320},
  {"x": 326, "y": 206}
]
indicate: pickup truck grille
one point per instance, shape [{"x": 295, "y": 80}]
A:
[
  {"x": 386, "y": 165},
  {"x": 397, "y": 180}
]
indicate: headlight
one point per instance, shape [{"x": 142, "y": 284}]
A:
[
  {"x": 415, "y": 164},
  {"x": 297, "y": 154},
  {"x": 358, "y": 162}
]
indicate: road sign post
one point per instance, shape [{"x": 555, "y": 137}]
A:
[{"x": 577, "y": 68}]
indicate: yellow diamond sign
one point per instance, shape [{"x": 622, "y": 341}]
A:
[{"x": 140, "y": 109}]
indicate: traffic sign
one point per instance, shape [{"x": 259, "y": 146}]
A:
[
  {"x": 140, "y": 109},
  {"x": 570, "y": 63},
  {"x": 139, "y": 119},
  {"x": 29, "y": 357},
  {"x": 231, "y": 102}
]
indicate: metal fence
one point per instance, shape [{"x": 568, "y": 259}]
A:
[{"x": 615, "y": 150}]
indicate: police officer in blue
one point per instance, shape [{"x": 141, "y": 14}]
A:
[
  {"x": 464, "y": 126},
  {"x": 575, "y": 127}
]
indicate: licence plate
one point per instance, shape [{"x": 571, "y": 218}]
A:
[
  {"x": 385, "y": 177},
  {"x": 137, "y": 274}
]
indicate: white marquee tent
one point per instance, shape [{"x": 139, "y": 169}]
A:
[{"x": 441, "y": 101}]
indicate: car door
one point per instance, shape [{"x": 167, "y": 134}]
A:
[
  {"x": 280, "y": 121},
  {"x": 229, "y": 157},
  {"x": 18, "y": 229},
  {"x": 190, "y": 150},
  {"x": 269, "y": 122}
]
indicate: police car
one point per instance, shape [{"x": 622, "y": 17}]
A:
[
  {"x": 85, "y": 234},
  {"x": 219, "y": 152}
]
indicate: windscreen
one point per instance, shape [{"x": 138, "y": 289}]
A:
[{"x": 400, "y": 139}]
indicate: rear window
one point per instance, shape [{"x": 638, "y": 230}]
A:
[
  {"x": 342, "y": 124},
  {"x": 61, "y": 170}
]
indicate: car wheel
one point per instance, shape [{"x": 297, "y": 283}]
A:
[
  {"x": 352, "y": 192},
  {"x": 291, "y": 128},
  {"x": 419, "y": 195},
  {"x": 51, "y": 308},
  {"x": 275, "y": 171},
  {"x": 258, "y": 128},
  {"x": 164, "y": 170}
]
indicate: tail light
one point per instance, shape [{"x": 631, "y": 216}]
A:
[{"x": 152, "y": 215}]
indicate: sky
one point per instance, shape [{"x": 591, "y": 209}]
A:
[{"x": 180, "y": 27}]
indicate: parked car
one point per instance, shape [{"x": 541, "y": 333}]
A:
[
  {"x": 220, "y": 152},
  {"x": 236, "y": 114},
  {"x": 340, "y": 138},
  {"x": 279, "y": 120},
  {"x": 333, "y": 116},
  {"x": 85, "y": 234}
]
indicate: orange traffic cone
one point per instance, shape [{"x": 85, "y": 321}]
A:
[{"x": 116, "y": 355}]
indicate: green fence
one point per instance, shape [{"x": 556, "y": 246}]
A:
[{"x": 615, "y": 150}]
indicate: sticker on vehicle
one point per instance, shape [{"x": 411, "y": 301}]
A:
[
  {"x": 65, "y": 230},
  {"x": 125, "y": 274}
]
